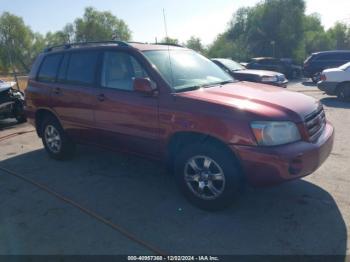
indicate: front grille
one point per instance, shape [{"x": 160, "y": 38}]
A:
[{"x": 315, "y": 123}]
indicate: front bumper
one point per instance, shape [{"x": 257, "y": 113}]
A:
[
  {"x": 265, "y": 166},
  {"x": 281, "y": 84},
  {"x": 329, "y": 88}
]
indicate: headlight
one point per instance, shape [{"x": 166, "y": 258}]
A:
[
  {"x": 269, "y": 79},
  {"x": 275, "y": 133}
]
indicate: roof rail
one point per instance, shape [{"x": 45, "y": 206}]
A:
[
  {"x": 171, "y": 44},
  {"x": 70, "y": 45}
]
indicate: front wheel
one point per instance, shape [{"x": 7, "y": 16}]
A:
[
  {"x": 208, "y": 175},
  {"x": 343, "y": 92},
  {"x": 19, "y": 113},
  {"x": 55, "y": 140}
]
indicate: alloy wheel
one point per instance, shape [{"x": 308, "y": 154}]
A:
[
  {"x": 53, "y": 139},
  {"x": 204, "y": 177}
]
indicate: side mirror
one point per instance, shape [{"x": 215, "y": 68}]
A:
[{"x": 144, "y": 85}]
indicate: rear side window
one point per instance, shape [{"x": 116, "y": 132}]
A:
[
  {"x": 49, "y": 68},
  {"x": 346, "y": 56},
  {"x": 82, "y": 68}
]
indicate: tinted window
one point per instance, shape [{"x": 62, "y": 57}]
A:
[
  {"x": 334, "y": 56},
  {"x": 119, "y": 70},
  {"x": 346, "y": 56},
  {"x": 63, "y": 69},
  {"x": 81, "y": 68},
  {"x": 267, "y": 62},
  {"x": 49, "y": 68}
]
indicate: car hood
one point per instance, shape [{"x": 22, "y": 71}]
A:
[
  {"x": 4, "y": 88},
  {"x": 6, "y": 85},
  {"x": 257, "y": 72},
  {"x": 263, "y": 101}
]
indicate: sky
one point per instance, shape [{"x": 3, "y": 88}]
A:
[{"x": 201, "y": 18}]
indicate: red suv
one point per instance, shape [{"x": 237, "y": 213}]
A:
[{"x": 170, "y": 103}]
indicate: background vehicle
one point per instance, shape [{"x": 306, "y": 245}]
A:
[
  {"x": 172, "y": 104},
  {"x": 336, "y": 81},
  {"x": 294, "y": 70},
  {"x": 317, "y": 62},
  {"x": 284, "y": 66},
  {"x": 240, "y": 73},
  {"x": 11, "y": 102}
]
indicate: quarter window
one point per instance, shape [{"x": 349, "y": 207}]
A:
[
  {"x": 119, "y": 70},
  {"x": 49, "y": 68}
]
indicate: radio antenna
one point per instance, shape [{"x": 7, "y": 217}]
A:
[{"x": 165, "y": 25}]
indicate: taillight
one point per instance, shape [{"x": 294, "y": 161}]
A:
[{"x": 323, "y": 77}]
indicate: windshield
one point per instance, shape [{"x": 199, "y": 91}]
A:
[
  {"x": 184, "y": 69},
  {"x": 230, "y": 64},
  {"x": 345, "y": 66}
]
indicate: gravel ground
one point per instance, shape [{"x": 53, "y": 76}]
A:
[{"x": 308, "y": 216}]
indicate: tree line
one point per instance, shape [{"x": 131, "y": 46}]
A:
[{"x": 277, "y": 28}]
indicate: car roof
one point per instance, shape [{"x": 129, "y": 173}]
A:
[
  {"x": 331, "y": 52},
  {"x": 264, "y": 58},
  {"x": 220, "y": 59},
  {"x": 146, "y": 46}
]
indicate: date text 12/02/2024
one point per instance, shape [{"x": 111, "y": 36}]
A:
[{"x": 173, "y": 258}]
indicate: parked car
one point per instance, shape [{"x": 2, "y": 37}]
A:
[
  {"x": 240, "y": 73},
  {"x": 336, "y": 81},
  {"x": 294, "y": 70},
  {"x": 11, "y": 102},
  {"x": 317, "y": 62},
  {"x": 286, "y": 66},
  {"x": 172, "y": 104}
]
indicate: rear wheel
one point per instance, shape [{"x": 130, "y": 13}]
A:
[
  {"x": 56, "y": 142},
  {"x": 208, "y": 175},
  {"x": 343, "y": 92}
]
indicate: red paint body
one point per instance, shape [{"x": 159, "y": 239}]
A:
[{"x": 144, "y": 124}]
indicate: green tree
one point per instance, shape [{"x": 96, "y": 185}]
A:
[
  {"x": 340, "y": 34},
  {"x": 270, "y": 28},
  {"x": 98, "y": 26},
  {"x": 314, "y": 38},
  {"x": 16, "y": 41},
  {"x": 195, "y": 44},
  {"x": 169, "y": 40}
]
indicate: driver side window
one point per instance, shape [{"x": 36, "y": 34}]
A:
[{"x": 119, "y": 70}]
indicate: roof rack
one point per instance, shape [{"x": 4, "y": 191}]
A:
[{"x": 70, "y": 45}]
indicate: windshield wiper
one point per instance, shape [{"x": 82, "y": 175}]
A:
[
  {"x": 195, "y": 87},
  {"x": 226, "y": 82},
  {"x": 189, "y": 88}
]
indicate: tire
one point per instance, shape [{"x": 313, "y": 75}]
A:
[
  {"x": 315, "y": 78},
  {"x": 208, "y": 190},
  {"x": 19, "y": 113},
  {"x": 21, "y": 119},
  {"x": 55, "y": 140},
  {"x": 343, "y": 92}
]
